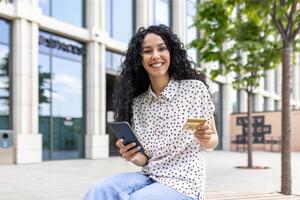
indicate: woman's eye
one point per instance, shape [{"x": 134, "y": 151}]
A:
[
  {"x": 147, "y": 51},
  {"x": 162, "y": 48}
]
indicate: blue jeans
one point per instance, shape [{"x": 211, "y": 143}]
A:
[{"x": 132, "y": 186}]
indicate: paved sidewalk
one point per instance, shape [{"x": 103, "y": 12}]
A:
[{"x": 69, "y": 179}]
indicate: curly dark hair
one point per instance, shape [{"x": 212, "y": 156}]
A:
[{"x": 134, "y": 80}]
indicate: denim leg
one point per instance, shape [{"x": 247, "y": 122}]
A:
[
  {"x": 117, "y": 187},
  {"x": 158, "y": 191}
]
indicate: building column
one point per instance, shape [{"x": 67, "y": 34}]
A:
[
  {"x": 179, "y": 19},
  {"x": 28, "y": 142},
  {"x": 259, "y": 103},
  {"x": 96, "y": 139},
  {"x": 271, "y": 89},
  {"x": 243, "y": 101},
  {"x": 227, "y": 110},
  {"x": 144, "y": 13},
  {"x": 270, "y": 104}
]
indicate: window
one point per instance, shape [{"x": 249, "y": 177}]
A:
[
  {"x": 71, "y": 11},
  {"x": 61, "y": 96},
  {"x": 236, "y": 101},
  {"x": 162, "y": 12},
  {"x": 120, "y": 19},
  {"x": 5, "y": 80},
  {"x": 266, "y": 104},
  {"x": 191, "y": 32},
  {"x": 112, "y": 60}
]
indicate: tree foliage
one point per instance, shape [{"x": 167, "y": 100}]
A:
[
  {"x": 238, "y": 38},
  {"x": 263, "y": 31}
]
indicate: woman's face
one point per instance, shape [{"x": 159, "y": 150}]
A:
[{"x": 155, "y": 56}]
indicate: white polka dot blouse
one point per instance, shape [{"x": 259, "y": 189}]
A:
[{"x": 175, "y": 157}]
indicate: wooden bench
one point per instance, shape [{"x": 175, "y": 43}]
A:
[{"x": 218, "y": 195}]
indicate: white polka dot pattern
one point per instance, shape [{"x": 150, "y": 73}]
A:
[{"x": 175, "y": 157}]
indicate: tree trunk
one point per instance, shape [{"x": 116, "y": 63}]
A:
[
  {"x": 249, "y": 132},
  {"x": 286, "y": 121}
]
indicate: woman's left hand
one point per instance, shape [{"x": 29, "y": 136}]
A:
[{"x": 203, "y": 133}]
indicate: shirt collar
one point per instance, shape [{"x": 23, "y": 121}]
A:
[{"x": 168, "y": 92}]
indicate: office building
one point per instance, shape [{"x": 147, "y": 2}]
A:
[{"x": 59, "y": 59}]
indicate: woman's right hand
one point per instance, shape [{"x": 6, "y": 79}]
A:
[{"x": 131, "y": 153}]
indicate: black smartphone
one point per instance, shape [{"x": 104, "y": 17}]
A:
[{"x": 123, "y": 130}]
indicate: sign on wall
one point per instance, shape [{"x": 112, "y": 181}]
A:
[{"x": 259, "y": 129}]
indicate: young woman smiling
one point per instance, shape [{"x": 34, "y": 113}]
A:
[{"x": 157, "y": 91}]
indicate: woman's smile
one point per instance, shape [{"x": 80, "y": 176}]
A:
[{"x": 155, "y": 56}]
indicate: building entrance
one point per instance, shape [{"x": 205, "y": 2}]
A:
[{"x": 61, "y": 97}]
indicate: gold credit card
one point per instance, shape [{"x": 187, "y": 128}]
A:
[{"x": 193, "y": 123}]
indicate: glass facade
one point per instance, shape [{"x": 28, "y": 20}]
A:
[
  {"x": 5, "y": 80},
  {"x": 112, "y": 60},
  {"x": 112, "y": 64},
  {"x": 162, "y": 12},
  {"x": 61, "y": 118},
  {"x": 191, "y": 32},
  {"x": 217, "y": 95},
  {"x": 120, "y": 19},
  {"x": 57, "y": 9}
]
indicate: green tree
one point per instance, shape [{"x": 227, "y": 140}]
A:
[
  {"x": 285, "y": 18},
  {"x": 44, "y": 80},
  {"x": 267, "y": 21},
  {"x": 239, "y": 41}
]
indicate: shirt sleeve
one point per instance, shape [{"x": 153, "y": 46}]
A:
[{"x": 202, "y": 103}]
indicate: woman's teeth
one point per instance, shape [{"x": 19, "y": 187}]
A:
[{"x": 157, "y": 65}]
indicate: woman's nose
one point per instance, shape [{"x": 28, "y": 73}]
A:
[{"x": 155, "y": 55}]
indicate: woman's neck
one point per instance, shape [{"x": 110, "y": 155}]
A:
[{"x": 159, "y": 84}]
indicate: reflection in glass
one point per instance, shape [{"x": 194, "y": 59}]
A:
[
  {"x": 5, "y": 84},
  {"x": 4, "y": 32},
  {"x": 161, "y": 10},
  {"x": 4, "y": 87},
  {"x": 45, "y": 6},
  {"x": 119, "y": 19},
  {"x": 61, "y": 100},
  {"x": 44, "y": 101},
  {"x": 113, "y": 60},
  {"x": 61, "y": 47},
  {"x": 67, "y": 88},
  {"x": 61, "y": 10}
]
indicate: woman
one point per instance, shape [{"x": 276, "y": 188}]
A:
[{"x": 157, "y": 91}]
